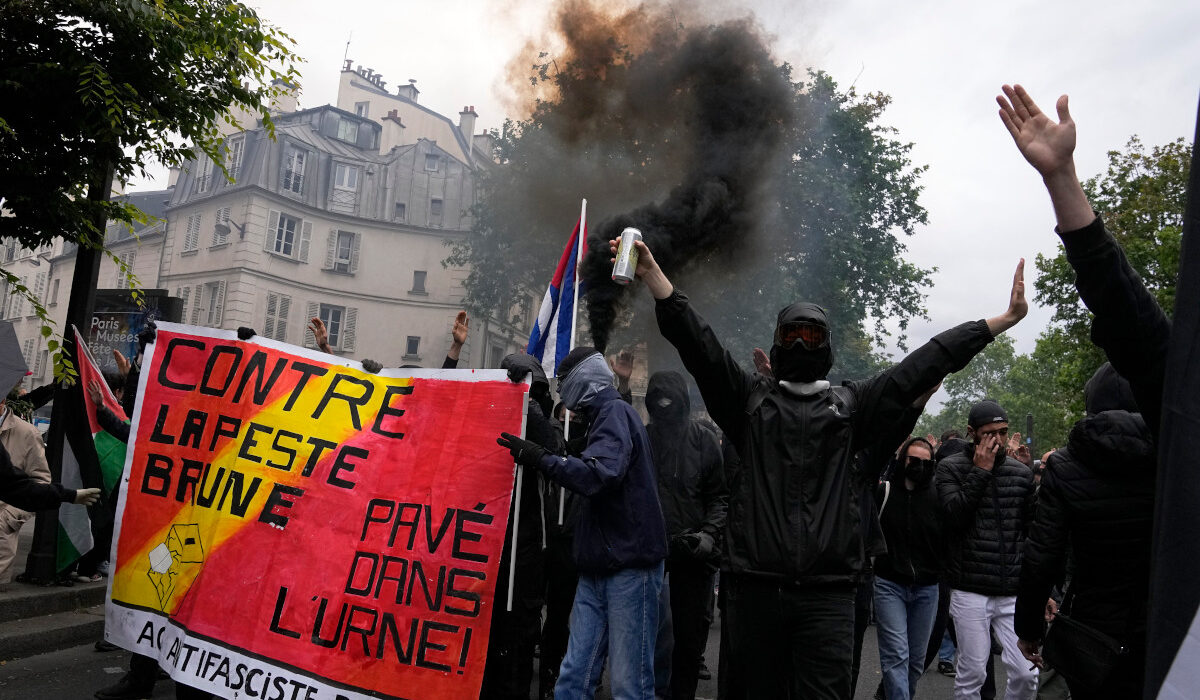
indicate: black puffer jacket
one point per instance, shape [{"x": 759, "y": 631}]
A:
[
  {"x": 794, "y": 505},
  {"x": 987, "y": 515},
  {"x": 1096, "y": 499}
]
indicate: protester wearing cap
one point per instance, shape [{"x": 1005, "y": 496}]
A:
[
  {"x": 987, "y": 501},
  {"x": 794, "y": 538},
  {"x": 620, "y": 535}
]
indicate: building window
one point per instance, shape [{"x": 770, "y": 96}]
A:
[
  {"x": 278, "y": 307},
  {"x": 432, "y": 162},
  {"x": 124, "y": 269},
  {"x": 418, "y": 282},
  {"x": 435, "y": 212},
  {"x": 345, "y": 177},
  {"x": 293, "y": 172},
  {"x": 10, "y": 250},
  {"x": 285, "y": 235},
  {"x": 345, "y": 252},
  {"x": 347, "y": 130},
  {"x": 43, "y": 362},
  {"x": 221, "y": 227},
  {"x": 412, "y": 347},
  {"x": 54, "y": 292},
  {"x": 213, "y": 304},
  {"x": 332, "y": 317},
  {"x": 401, "y": 212},
  {"x": 233, "y": 156},
  {"x": 360, "y": 108},
  {"x": 203, "y": 171},
  {"x": 191, "y": 236}
]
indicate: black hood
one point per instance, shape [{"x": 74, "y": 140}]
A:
[
  {"x": 1108, "y": 391},
  {"x": 672, "y": 387},
  {"x": 796, "y": 364},
  {"x": 1113, "y": 441},
  {"x": 949, "y": 447}
]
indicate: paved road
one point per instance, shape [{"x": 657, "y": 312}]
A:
[{"x": 77, "y": 672}]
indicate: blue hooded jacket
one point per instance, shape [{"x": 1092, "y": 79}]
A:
[{"x": 620, "y": 522}]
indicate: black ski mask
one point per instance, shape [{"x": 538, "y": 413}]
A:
[{"x": 799, "y": 360}]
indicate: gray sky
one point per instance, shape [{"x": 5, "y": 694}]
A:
[{"x": 1130, "y": 68}]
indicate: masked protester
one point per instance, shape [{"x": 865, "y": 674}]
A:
[
  {"x": 691, "y": 488},
  {"x": 987, "y": 501},
  {"x": 620, "y": 539},
  {"x": 906, "y": 577},
  {"x": 1097, "y": 495},
  {"x": 514, "y": 633},
  {"x": 793, "y": 538}
]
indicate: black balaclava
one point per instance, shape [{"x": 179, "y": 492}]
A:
[
  {"x": 797, "y": 364},
  {"x": 667, "y": 398},
  {"x": 1108, "y": 391}
]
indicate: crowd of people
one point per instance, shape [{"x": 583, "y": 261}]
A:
[{"x": 815, "y": 508}]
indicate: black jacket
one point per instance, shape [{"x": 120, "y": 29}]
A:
[
  {"x": 687, "y": 462},
  {"x": 987, "y": 515},
  {"x": 794, "y": 508},
  {"x": 912, "y": 527},
  {"x": 1128, "y": 325},
  {"x": 1097, "y": 501},
  {"x": 619, "y": 523}
]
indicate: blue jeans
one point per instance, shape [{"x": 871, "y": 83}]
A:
[
  {"x": 614, "y": 617},
  {"x": 904, "y": 615},
  {"x": 946, "y": 651}
]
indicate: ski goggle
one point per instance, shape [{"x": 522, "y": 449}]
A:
[{"x": 811, "y": 336}]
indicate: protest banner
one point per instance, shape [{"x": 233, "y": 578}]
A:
[{"x": 291, "y": 526}]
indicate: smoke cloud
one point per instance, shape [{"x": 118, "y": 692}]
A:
[{"x": 675, "y": 125}]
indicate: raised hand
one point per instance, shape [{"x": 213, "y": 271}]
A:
[
  {"x": 622, "y": 366},
  {"x": 95, "y": 393},
  {"x": 647, "y": 268},
  {"x": 122, "y": 363},
  {"x": 1047, "y": 145},
  {"x": 762, "y": 362},
  {"x": 1018, "y": 306},
  {"x": 461, "y": 327},
  {"x": 320, "y": 333}
]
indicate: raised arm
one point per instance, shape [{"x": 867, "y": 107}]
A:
[
  {"x": 458, "y": 335},
  {"x": 723, "y": 383},
  {"x": 1129, "y": 326}
]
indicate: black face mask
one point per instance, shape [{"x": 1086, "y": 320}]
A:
[
  {"x": 796, "y": 363},
  {"x": 918, "y": 470}
]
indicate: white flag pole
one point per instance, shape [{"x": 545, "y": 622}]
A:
[
  {"x": 516, "y": 519},
  {"x": 562, "y": 492}
]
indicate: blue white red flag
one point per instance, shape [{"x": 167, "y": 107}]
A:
[{"x": 551, "y": 338}]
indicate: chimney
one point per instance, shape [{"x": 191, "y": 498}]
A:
[
  {"x": 172, "y": 176},
  {"x": 410, "y": 91},
  {"x": 286, "y": 100},
  {"x": 349, "y": 63},
  {"x": 466, "y": 125},
  {"x": 393, "y": 132}
]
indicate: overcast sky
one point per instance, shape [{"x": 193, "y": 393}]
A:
[{"x": 1130, "y": 68}]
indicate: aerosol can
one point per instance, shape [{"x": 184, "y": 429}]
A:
[{"x": 627, "y": 256}]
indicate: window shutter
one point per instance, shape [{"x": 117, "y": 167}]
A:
[
  {"x": 331, "y": 251},
  {"x": 348, "y": 327},
  {"x": 310, "y": 340},
  {"x": 354, "y": 248},
  {"x": 219, "y": 308},
  {"x": 272, "y": 309},
  {"x": 37, "y": 365},
  {"x": 305, "y": 239},
  {"x": 272, "y": 225},
  {"x": 39, "y": 287},
  {"x": 197, "y": 292},
  {"x": 281, "y": 320},
  {"x": 183, "y": 293}
]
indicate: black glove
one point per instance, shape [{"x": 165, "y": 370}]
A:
[
  {"x": 524, "y": 452},
  {"x": 699, "y": 545},
  {"x": 245, "y": 333},
  {"x": 371, "y": 366}
]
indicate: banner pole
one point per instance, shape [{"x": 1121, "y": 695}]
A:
[
  {"x": 562, "y": 491},
  {"x": 516, "y": 515}
]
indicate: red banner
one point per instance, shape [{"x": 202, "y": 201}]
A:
[{"x": 293, "y": 527}]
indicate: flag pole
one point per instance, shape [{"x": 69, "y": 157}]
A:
[
  {"x": 562, "y": 491},
  {"x": 516, "y": 514}
]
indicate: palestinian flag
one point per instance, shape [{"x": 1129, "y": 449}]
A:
[{"x": 74, "y": 525}]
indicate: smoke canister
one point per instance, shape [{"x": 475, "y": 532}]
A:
[{"x": 627, "y": 256}]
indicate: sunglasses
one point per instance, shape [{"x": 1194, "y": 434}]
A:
[
  {"x": 914, "y": 461},
  {"x": 811, "y": 336}
]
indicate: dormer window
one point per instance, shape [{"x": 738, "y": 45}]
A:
[
  {"x": 348, "y": 130},
  {"x": 432, "y": 163}
]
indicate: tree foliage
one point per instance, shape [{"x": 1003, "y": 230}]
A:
[{"x": 93, "y": 88}]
